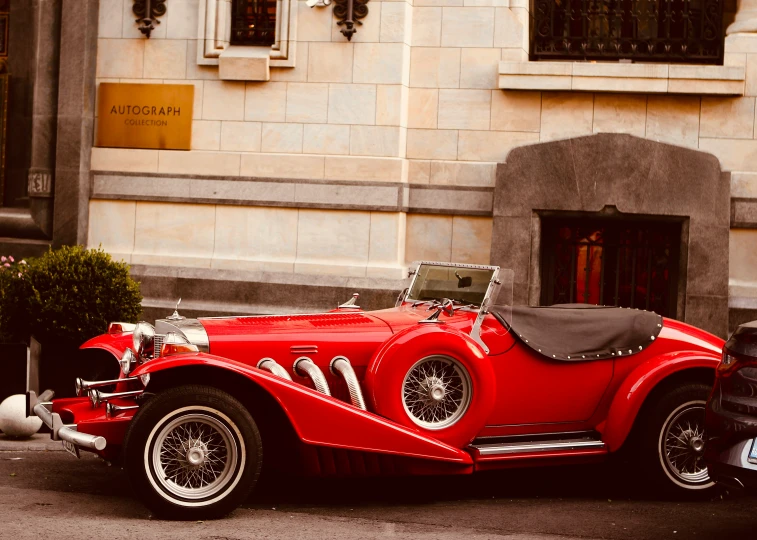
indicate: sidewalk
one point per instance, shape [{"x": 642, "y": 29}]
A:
[{"x": 40, "y": 442}]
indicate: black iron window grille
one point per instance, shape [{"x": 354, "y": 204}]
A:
[
  {"x": 611, "y": 262},
  {"x": 253, "y": 22},
  {"x": 689, "y": 31}
]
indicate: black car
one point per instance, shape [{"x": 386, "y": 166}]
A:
[{"x": 731, "y": 421}]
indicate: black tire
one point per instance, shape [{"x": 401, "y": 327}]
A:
[
  {"x": 666, "y": 416},
  {"x": 159, "y": 449}
]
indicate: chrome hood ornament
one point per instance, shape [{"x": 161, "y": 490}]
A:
[{"x": 175, "y": 315}]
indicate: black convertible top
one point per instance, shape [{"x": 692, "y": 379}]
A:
[{"x": 580, "y": 332}]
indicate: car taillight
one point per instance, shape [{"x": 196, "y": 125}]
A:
[{"x": 731, "y": 362}]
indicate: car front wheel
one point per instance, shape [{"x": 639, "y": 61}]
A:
[
  {"x": 672, "y": 440},
  {"x": 193, "y": 452}
]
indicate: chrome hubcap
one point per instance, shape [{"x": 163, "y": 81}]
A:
[
  {"x": 682, "y": 445},
  {"x": 436, "y": 392},
  {"x": 194, "y": 456}
]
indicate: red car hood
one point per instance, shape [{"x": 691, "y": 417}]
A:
[{"x": 286, "y": 337}]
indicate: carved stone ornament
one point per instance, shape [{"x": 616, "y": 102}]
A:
[
  {"x": 148, "y": 12},
  {"x": 349, "y": 13}
]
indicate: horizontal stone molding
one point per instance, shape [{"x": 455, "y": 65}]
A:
[
  {"x": 623, "y": 77},
  {"x": 293, "y": 193}
]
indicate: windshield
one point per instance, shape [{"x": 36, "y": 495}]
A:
[{"x": 467, "y": 284}]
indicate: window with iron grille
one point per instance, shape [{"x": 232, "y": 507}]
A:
[
  {"x": 253, "y": 22},
  {"x": 611, "y": 262},
  {"x": 689, "y": 31}
]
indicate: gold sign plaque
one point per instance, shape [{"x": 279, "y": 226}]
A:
[{"x": 145, "y": 116}]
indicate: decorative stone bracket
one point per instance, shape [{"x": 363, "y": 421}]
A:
[
  {"x": 147, "y": 12},
  {"x": 349, "y": 13}
]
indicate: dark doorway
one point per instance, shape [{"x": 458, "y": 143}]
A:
[{"x": 611, "y": 261}]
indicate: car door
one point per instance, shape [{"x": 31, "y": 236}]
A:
[{"x": 534, "y": 389}]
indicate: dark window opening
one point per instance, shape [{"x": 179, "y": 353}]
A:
[
  {"x": 604, "y": 261},
  {"x": 689, "y": 31},
  {"x": 253, "y": 22}
]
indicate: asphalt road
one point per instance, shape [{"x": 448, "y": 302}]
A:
[{"x": 52, "y": 495}]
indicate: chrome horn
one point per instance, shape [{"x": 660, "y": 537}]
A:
[
  {"x": 114, "y": 410},
  {"x": 82, "y": 386},
  {"x": 97, "y": 397}
]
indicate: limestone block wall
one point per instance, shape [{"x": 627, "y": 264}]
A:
[{"x": 412, "y": 100}]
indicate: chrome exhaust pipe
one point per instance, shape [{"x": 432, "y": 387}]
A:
[
  {"x": 305, "y": 367},
  {"x": 269, "y": 364},
  {"x": 97, "y": 397},
  {"x": 341, "y": 365},
  {"x": 114, "y": 410},
  {"x": 82, "y": 386}
]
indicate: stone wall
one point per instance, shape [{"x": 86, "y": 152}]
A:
[{"x": 371, "y": 153}]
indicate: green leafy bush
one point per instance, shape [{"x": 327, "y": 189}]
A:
[
  {"x": 75, "y": 292},
  {"x": 14, "y": 293}
]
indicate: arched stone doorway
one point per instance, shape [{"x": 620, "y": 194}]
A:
[{"x": 621, "y": 177}]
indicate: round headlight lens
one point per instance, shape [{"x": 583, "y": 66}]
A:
[
  {"x": 143, "y": 338},
  {"x": 128, "y": 361}
]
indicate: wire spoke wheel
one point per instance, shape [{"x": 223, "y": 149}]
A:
[
  {"x": 681, "y": 444},
  {"x": 194, "y": 456},
  {"x": 436, "y": 392}
]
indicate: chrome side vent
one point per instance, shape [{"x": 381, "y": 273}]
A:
[
  {"x": 305, "y": 367},
  {"x": 341, "y": 365},
  {"x": 269, "y": 364}
]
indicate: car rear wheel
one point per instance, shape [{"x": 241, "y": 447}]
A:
[
  {"x": 193, "y": 452},
  {"x": 672, "y": 440}
]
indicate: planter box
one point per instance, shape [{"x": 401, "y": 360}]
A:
[{"x": 14, "y": 363}]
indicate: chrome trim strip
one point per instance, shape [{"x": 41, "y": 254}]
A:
[
  {"x": 544, "y": 446},
  {"x": 59, "y": 431}
]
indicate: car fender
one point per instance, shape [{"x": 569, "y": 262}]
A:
[
  {"x": 323, "y": 420},
  {"x": 390, "y": 364},
  {"x": 115, "y": 344},
  {"x": 636, "y": 387}
]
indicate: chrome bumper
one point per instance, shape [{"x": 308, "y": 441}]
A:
[{"x": 41, "y": 406}]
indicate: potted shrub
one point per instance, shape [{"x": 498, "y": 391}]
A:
[
  {"x": 14, "y": 326},
  {"x": 74, "y": 294}
]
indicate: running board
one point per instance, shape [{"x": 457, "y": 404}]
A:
[{"x": 537, "y": 446}]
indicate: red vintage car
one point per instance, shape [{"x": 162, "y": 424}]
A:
[{"x": 452, "y": 380}]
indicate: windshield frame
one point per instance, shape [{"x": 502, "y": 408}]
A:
[{"x": 487, "y": 295}]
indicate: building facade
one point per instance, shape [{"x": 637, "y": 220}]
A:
[{"x": 605, "y": 151}]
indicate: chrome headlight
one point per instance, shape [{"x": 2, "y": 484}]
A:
[
  {"x": 175, "y": 343},
  {"x": 128, "y": 361},
  {"x": 143, "y": 339}
]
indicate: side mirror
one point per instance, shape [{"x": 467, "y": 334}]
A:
[{"x": 463, "y": 282}]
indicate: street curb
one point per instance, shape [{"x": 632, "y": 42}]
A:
[{"x": 39, "y": 442}]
